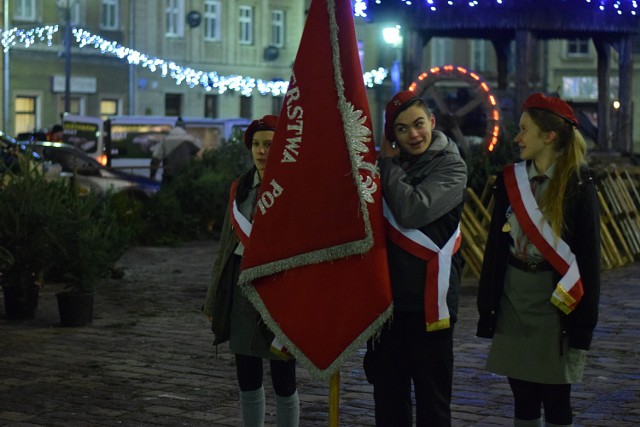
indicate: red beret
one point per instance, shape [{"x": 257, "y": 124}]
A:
[
  {"x": 554, "y": 105},
  {"x": 394, "y": 107},
  {"x": 268, "y": 122}
]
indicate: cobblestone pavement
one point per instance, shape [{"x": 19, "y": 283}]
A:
[{"x": 147, "y": 359}]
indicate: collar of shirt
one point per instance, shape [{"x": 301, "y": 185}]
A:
[
  {"x": 532, "y": 171},
  {"x": 256, "y": 180}
]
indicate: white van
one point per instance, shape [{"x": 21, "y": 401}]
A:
[{"x": 126, "y": 142}]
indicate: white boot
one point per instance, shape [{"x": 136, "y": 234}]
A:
[
  {"x": 252, "y": 406},
  {"x": 527, "y": 423},
  {"x": 288, "y": 410}
]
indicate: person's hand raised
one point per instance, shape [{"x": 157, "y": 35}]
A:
[{"x": 389, "y": 149}]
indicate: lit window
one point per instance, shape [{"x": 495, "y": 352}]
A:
[
  {"x": 25, "y": 114},
  {"x": 109, "y": 107},
  {"x": 212, "y": 20},
  {"x": 246, "y": 25}
]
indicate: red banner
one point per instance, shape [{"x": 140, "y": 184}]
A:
[{"x": 316, "y": 266}]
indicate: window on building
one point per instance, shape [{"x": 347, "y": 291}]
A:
[
  {"x": 277, "y": 28},
  {"x": 276, "y": 104},
  {"x": 25, "y": 10},
  {"x": 175, "y": 18},
  {"x": 441, "y": 51},
  {"x": 76, "y": 105},
  {"x": 109, "y": 107},
  {"x": 578, "y": 47},
  {"x": 479, "y": 55},
  {"x": 109, "y": 14},
  {"x": 212, "y": 20},
  {"x": 173, "y": 104},
  {"x": 586, "y": 87},
  {"x": 26, "y": 114},
  {"x": 76, "y": 14},
  {"x": 211, "y": 103},
  {"x": 246, "y": 25},
  {"x": 246, "y": 107}
]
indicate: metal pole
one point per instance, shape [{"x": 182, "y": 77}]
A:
[
  {"x": 67, "y": 58},
  {"x": 334, "y": 399},
  {"x": 5, "y": 110},
  {"x": 132, "y": 75}
]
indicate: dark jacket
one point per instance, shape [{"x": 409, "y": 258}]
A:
[
  {"x": 219, "y": 299},
  {"x": 424, "y": 193},
  {"x": 582, "y": 234}
]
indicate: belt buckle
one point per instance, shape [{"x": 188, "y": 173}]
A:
[{"x": 532, "y": 266}]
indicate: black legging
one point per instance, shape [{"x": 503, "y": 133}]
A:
[
  {"x": 529, "y": 397},
  {"x": 283, "y": 374}
]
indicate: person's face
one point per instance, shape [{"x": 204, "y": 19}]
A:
[
  {"x": 532, "y": 141},
  {"x": 413, "y": 128},
  {"x": 260, "y": 145}
]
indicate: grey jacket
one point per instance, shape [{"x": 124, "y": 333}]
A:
[{"x": 425, "y": 193}]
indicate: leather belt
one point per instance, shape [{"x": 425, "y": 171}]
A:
[{"x": 529, "y": 266}]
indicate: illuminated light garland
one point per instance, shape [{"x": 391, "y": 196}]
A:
[
  {"x": 620, "y": 6},
  {"x": 28, "y": 37},
  {"x": 448, "y": 72},
  {"x": 209, "y": 80}
]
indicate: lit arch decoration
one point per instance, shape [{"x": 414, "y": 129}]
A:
[{"x": 481, "y": 96}]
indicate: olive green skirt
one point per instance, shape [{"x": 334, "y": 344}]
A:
[
  {"x": 528, "y": 343},
  {"x": 249, "y": 335}
]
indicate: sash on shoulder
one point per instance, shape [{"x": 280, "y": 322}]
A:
[
  {"x": 556, "y": 251},
  {"x": 241, "y": 225},
  {"x": 438, "y": 261}
]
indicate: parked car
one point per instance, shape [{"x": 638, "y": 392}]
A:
[{"x": 64, "y": 160}]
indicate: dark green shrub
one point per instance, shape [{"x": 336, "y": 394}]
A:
[{"x": 192, "y": 206}]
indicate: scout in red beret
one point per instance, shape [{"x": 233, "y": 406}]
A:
[
  {"x": 554, "y": 105},
  {"x": 268, "y": 122},
  {"x": 400, "y": 102}
]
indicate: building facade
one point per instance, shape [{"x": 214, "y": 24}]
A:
[
  {"x": 231, "y": 42},
  {"x": 137, "y": 58}
]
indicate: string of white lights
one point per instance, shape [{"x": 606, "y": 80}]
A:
[
  {"x": 619, "y": 6},
  {"x": 209, "y": 80}
]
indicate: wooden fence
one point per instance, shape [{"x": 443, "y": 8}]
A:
[{"x": 619, "y": 219}]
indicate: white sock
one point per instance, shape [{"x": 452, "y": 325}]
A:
[
  {"x": 288, "y": 410},
  {"x": 252, "y": 406}
]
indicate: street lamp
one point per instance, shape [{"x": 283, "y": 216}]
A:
[
  {"x": 65, "y": 7},
  {"x": 393, "y": 37}
]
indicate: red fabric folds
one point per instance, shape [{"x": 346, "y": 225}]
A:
[{"x": 315, "y": 265}]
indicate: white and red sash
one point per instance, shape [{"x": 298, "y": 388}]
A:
[
  {"x": 241, "y": 224},
  {"x": 556, "y": 251},
  {"x": 438, "y": 261}
]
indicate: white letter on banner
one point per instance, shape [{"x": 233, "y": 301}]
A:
[{"x": 267, "y": 198}]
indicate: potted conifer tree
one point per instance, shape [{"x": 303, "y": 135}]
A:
[
  {"x": 30, "y": 207},
  {"x": 93, "y": 239}
]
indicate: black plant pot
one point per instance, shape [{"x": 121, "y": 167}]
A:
[
  {"x": 75, "y": 309},
  {"x": 21, "y": 302}
]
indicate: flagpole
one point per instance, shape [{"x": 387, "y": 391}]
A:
[{"x": 334, "y": 399}]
